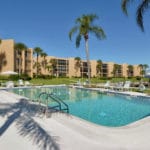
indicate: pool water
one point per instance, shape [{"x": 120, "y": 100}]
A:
[{"x": 103, "y": 109}]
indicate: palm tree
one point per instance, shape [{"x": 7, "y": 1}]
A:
[
  {"x": 142, "y": 7},
  {"x": 49, "y": 68},
  {"x": 130, "y": 71},
  {"x": 77, "y": 63},
  {"x": 116, "y": 70},
  {"x": 3, "y": 61},
  {"x": 84, "y": 26},
  {"x": 44, "y": 62},
  {"x": 19, "y": 47},
  {"x": 141, "y": 69},
  {"x": 37, "y": 51},
  {"x": 99, "y": 67},
  {"x": 53, "y": 63}
]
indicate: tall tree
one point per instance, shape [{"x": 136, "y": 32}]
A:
[
  {"x": 116, "y": 70},
  {"x": 77, "y": 63},
  {"x": 3, "y": 60},
  {"x": 130, "y": 70},
  {"x": 37, "y": 51},
  {"x": 19, "y": 47},
  {"x": 44, "y": 61},
  {"x": 143, "y": 68},
  {"x": 142, "y": 7},
  {"x": 99, "y": 67},
  {"x": 53, "y": 63},
  {"x": 84, "y": 26}
]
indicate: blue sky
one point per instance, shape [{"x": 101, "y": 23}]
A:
[{"x": 47, "y": 23}]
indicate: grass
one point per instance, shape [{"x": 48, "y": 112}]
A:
[{"x": 67, "y": 81}]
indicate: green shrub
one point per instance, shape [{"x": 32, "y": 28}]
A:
[
  {"x": 25, "y": 77},
  {"x": 13, "y": 77}
]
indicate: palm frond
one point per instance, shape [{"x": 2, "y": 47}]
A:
[
  {"x": 20, "y": 46},
  {"x": 78, "y": 39},
  {"x": 141, "y": 9},
  {"x": 37, "y": 50},
  {"x": 78, "y": 20},
  {"x": 124, "y": 5},
  {"x": 92, "y": 17},
  {"x": 72, "y": 31},
  {"x": 98, "y": 31}
]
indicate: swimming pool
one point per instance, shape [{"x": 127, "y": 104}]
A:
[{"x": 100, "y": 108}]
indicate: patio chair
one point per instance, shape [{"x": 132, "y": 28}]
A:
[
  {"x": 141, "y": 87},
  {"x": 9, "y": 84},
  {"x": 20, "y": 82},
  {"x": 107, "y": 85},
  {"x": 27, "y": 83},
  {"x": 127, "y": 85},
  {"x": 122, "y": 86},
  {"x": 119, "y": 86}
]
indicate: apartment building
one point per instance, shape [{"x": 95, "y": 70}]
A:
[
  {"x": 23, "y": 62},
  {"x": 67, "y": 67},
  {"x": 17, "y": 61}
]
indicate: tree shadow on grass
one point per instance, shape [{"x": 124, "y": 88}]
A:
[{"x": 21, "y": 113}]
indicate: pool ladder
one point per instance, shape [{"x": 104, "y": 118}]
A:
[{"x": 61, "y": 105}]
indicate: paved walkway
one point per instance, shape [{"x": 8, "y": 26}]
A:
[{"x": 22, "y": 127}]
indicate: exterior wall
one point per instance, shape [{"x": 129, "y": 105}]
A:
[
  {"x": 11, "y": 57},
  {"x": 107, "y": 68},
  {"x": 72, "y": 71},
  {"x": 110, "y": 68},
  {"x": 124, "y": 70},
  {"x": 136, "y": 70},
  {"x": 7, "y": 54}
]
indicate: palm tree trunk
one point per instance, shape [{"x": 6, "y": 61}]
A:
[
  {"x": 88, "y": 60},
  {"x": 20, "y": 66},
  {"x": 37, "y": 61}
]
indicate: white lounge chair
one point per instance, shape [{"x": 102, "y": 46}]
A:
[
  {"x": 127, "y": 85},
  {"x": 20, "y": 82},
  {"x": 121, "y": 87},
  {"x": 107, "y": 85},
  {"x": 10, "y": 84},
  {"x": 27, "y": 83},
  {"x": 142, "y": 87}
]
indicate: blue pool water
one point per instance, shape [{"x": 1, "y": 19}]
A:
[{"x": 104, "y": 109}]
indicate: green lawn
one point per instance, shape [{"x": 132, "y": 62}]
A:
[{"x": 67, "y": 81}]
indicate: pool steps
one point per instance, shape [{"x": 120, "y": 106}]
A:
[{"x": 61, "y": 105}]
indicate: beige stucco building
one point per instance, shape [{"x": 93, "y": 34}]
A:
[
  {"x": 67, "y": 67},
  {"x": 50, "y": 65},
  {"x": 12, "y": 60}
]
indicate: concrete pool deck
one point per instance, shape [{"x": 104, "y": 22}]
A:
[{"x": 22, "y": 128}]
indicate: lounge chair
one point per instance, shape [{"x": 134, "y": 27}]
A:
[
  {"x": 10, "y": 84},
  {"x": 141, "y": 87},
  {"x": 20, "y": 82},
  {"x": 121, "y": 87},
  {"x": 27, "y": 83},
  {"x": 107, "y": 85}
]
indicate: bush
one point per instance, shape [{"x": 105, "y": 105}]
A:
[
  {"x": 13, "y": 77},
  {"x": 24, "y": 77},
  {"x": 3, "y": 77},
  {"x": 138, "y": 78}
]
